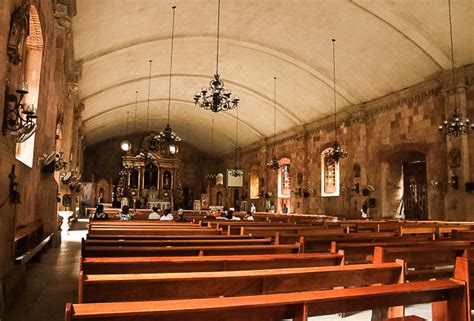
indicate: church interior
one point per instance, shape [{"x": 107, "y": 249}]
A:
[{"x": 341, "y": 128}]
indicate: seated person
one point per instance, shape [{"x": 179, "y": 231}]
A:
[
  {"x": 124, "y": 215},
  {"x": 249, "y": 216},
  {"x": 230, "y": 216},
  {"x": 181, "y": 216},
  {"x": 154, "y": 214},
  {"x": 99, "y": 213},
  {"x": 168, "y": 216}
]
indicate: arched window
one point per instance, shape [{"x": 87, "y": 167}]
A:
[
  {"x": 32, "y": 72},
  {"x": 329, "y": 174},
  {"x": 284, "y": 188}
]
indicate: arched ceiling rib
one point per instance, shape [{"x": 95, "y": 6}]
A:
[{"x": 380, "y": 48}]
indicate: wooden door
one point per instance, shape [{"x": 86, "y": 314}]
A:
[{"x": 415, "y": 190}]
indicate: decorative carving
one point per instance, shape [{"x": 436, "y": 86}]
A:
[{"x": 19, "y": 30}]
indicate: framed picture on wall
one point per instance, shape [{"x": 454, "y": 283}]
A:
[{"x": 233, "y": 181}]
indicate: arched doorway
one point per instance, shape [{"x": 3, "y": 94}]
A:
[{"x": 404, "y": 185}]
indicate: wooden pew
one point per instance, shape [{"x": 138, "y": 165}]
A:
[
  {"x": 169, "y": 237},
  {"x": 29, "y": 241},
  {"x": 117, "y": 265},
  {"x": 424, "y": 262},
  {"x": 359, "y": 253},
  {"x": 191, "y": 242},
  {"x": 193, "y": 285},
  {"x": 306, "y": 230},
  {"x": 143, "y": 232},
  {"x": 297, "y": 306},
  {"x": 114, "y": 251}
]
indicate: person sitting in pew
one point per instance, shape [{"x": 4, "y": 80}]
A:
[
  {"x": 99, "y": 213},
  {"x": 154, "y": 214},
  {"x": 168, "y": 216},
  {"x": 124, "y": 214},
  {"x": 230, "y": 215},
  {"x": 181, "y": 217},
  {"x": 249, "y": 216}
]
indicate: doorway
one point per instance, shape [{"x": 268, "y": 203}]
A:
[{"x": 414, "y": 190}]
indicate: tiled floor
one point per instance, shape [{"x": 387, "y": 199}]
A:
[
  {"x": 50, "y": 283},
  {"x": 53, "y": 282}
]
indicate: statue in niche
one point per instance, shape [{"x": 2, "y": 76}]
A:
[
  {"x": 19, "y": 30},
  {"x": 454, "y": 158},
  {"x": 166, "y": 180},
  {"x": 356, "y": 170}
]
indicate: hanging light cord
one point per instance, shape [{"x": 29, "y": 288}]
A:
[
  {"x": 171, "y": 64},
  {"x": 212, "y": 136},
  {"x": 237, "y": 139},
  {"x": 128, "y": 113},
  {"x": 456, "y": 109},
  {"x": 148, "y": 106},
  {"x": 334, "y": 86},
  {"x": 218, "y": 34},
  {"x": 274, "y": 114},
  {"x": 136, "y": 103}
]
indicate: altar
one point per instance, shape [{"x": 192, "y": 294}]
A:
[{"x": 159, "y": 205}]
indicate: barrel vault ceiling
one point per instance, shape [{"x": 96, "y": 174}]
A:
[{"x": 381, "y": 47}]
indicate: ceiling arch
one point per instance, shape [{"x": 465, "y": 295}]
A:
[{"x": 380, "y": 49}]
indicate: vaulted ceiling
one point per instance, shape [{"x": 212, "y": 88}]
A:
[{"x": 381, "y": 47}]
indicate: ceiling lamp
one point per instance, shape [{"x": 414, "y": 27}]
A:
[
  {"x": 274, "y": 163},
  {"x": 215, "y": 97},
  {"x": 126, "y": 144},
  {"x": 211, "y": 175},
  {"x": 236, "y": 172},
  {"x": 169, "y": 140},
  {"x": 455, "y": 126},
  {"x": 337, "y": 152}
]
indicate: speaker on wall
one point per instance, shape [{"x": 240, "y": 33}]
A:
[
  {"x": 469, "y": 186},
  {"x": 372, "y": 202}
]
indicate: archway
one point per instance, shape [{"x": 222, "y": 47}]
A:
[{"x": 404, "y": 185}]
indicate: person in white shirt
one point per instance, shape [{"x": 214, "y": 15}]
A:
[
  {"x": 253, "y": 209},
  {"x": 168, "y": 216},
  {"x": 230, "y": 216},
  {"x": 249, "y": 216},
  {"x": 154, "y": 214}
]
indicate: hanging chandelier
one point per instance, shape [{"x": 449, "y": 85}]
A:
[
  {"x": 169, "y": 141},
  {"x": 455, "y": 126},
  {"x": 211, "y": 176},
  {"x": 215, "y": 97},
  {"x": 274, "y": 163},
  {"x": 236, "y": 172},
  {"x": 336, "y": 152}
]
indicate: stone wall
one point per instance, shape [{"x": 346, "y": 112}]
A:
[
  {"x": 379, "y": 135},
  {"x": 52, "y": 23}
]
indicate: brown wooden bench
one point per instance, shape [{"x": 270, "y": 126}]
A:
[
  {"x": 191, "y": 242},
  {"x": 359, "y": 253},
  {"x": 193, "y": 285},
  {"x": 114, "y": 251},
  {"x": 169, "y": 237},
  {"x": 143, "y": 232},
  {"x": 117, "y": 265},
  {"x": 424, "y": 262},
  {"x": 30, "y": 240},
  {"x": 305, "y": 230},
  {"x": 297, "y": 306}
]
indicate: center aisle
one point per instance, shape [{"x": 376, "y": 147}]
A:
[{"x": 52, "y": 282}]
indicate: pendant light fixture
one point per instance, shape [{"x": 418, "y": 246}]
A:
[
  {"x": 274, "y": 163},
  {"x": 126, "y": 144},
  {"x": 211, "y": 176},
  {"x": 170, "y": 142},
  {"x": 236, "y": 172},
  {"x": 215, "y": 97},
  {"x": 455, "y": 125},
  {"x": 337, "y": 152}
]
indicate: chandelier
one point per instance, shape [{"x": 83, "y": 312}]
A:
[
  {"x": 236, "y": 172},
  {"x": 169, "y": 141},
  {"x": 211, "y": 176},
  {"x": 274, "y": 163},
  {"x": 455, "y": 126},
  {"x": 337, "y": 152},
  {"x": 215, "y": 97}
]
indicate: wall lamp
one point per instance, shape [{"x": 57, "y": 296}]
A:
[{"x": 19, "y": 117}]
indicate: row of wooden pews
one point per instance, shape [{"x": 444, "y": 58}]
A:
[{"x": 269, "y": 271}]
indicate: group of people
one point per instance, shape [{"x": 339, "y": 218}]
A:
[{"x": 125, "y": 215}]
